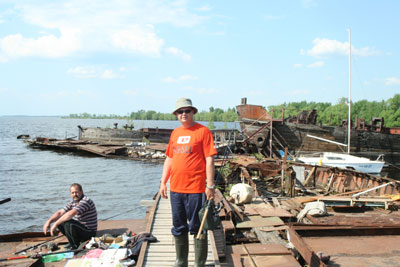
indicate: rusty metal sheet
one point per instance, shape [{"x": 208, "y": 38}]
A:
[
  {"x": 271, "y": 261},
  {"x": 358, "y": 250}
]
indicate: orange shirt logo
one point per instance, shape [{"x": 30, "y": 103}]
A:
[{"x": 183, "y": 140}]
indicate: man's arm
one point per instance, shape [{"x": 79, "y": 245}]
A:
[
  {"x": 165, "y": 176},
  {"x": 66, "y": 217},
  {"x": 53, "y": 218},
  {"x": 210, "y": 172}
]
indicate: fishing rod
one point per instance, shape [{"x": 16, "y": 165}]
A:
[
  {"x": 117, "y": 214},
  {"x": 39, "y": 255},
  {"x": 5, "y": 200},
  {"x": 37, "y": 245}
]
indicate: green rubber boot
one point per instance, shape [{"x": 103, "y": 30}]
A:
[
  {"x": 182, "y": 250},
  {"x": 200, "y": 251}
]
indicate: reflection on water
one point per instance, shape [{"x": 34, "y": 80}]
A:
[{"x": 38, "y": 180}]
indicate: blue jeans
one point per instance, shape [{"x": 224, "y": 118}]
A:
[{"x": 185, "y": 208}]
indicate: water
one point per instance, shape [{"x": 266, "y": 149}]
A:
[{"x": 38, "y": 181}]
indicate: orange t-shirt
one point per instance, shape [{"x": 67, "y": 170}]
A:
[{"x": 189, "y": 148}]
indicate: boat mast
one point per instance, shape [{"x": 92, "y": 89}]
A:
[{"x": 349, "y": 119}]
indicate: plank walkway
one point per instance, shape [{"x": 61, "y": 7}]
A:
[{"x": 162, "y": 253}]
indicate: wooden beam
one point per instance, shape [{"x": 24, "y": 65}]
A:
[
  {"x": 148, "y": 230},
  {"x": 305, "y": 251},
  {"x": 309, "y": 176}
]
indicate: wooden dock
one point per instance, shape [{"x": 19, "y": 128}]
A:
[{"x": 162, "y": 253}]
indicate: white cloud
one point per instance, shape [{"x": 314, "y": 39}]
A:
[
  {"x": 15, "y": 46},
  {"x": 3, "y": 90},
  {"x": 95, "y": 26},
  {"x": 204, "y": 8},
  {"x": 180, "y": 79},
  {"x": 323, "y": 47},
  {"x": 297, "y": 65},
  {"x": 317, "y": 64},
  {"x": 83, "y": 72},
  {"x": 93, "y": 72},
  {"x": 177, "y": 52},
  {"x": 138, "y": 39},
  {"x": 109, "y": 74},
  {"x": 392, "y": 81}
]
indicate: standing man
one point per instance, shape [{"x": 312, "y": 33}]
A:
[
  {"x": 190, "y": 165},
  {"x": 77, "y": 220}
]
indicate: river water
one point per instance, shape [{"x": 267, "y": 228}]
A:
[{"x": 37, "y": 181}]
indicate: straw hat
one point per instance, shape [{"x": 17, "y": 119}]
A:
[{"x": 184, "y": 103}]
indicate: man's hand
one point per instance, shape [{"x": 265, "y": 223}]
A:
[
  {"x": 163, "y": 190},
  {"x": 53, "y": 230},
  {"x": 210, "y": 193},
  {"x": 46, "y": 227}
]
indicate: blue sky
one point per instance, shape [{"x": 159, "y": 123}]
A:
[{"x": 115, "y": 57}]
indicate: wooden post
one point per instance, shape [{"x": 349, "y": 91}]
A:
[
  {"x": 283, "y": 172},
  {"x": 270, "y": 140}
]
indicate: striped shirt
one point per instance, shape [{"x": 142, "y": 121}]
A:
[{"x": 87, "y": 214}]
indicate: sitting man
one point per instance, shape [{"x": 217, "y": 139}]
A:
[{"x": 77, "y": 220}]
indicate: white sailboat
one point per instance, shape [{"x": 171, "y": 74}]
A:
[{"x": 342, "y": 160}]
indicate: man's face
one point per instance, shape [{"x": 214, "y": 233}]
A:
[
  {"x": 76, "y": 194},
  {"x": 185, "y": 115}
]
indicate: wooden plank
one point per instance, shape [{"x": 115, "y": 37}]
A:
[
  {"x": 258, "y": 221},
  {"x": 276, "y": 202},
  {"x": 163, "y": 253},
  {"x": 305, "y": 251},
  {"x": 262, "y": 249},
  {"x": 238, "y": 211},
  {"x": 266, "y": 210},
  {"x": 309, "y": 176},
  {"x": 214, "y": 249},
  {"x": 148, "y": 230},
  {"x": 248, "y": 210},
  {"x": 228, "y": 225},
  {"x": 272, "y": 228}
]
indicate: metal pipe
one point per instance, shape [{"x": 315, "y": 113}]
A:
[
  {"x": 349, "y": 120},
  {"x": 371, "y": 189}
]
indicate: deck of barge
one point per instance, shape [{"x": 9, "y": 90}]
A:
[{"x": 162, "y": 253}]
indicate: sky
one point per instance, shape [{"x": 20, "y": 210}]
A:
[{"x": 121, "y": 56}]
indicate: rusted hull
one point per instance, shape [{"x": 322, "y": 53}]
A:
[{"x": 123, "y": 136}]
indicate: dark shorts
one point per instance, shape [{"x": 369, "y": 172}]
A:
[{"x": 185, "y": 209}]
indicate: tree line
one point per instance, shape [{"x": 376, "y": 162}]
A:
[
  {"x": 328, "y": 113},
  {"x": 213, "y": 114}
]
